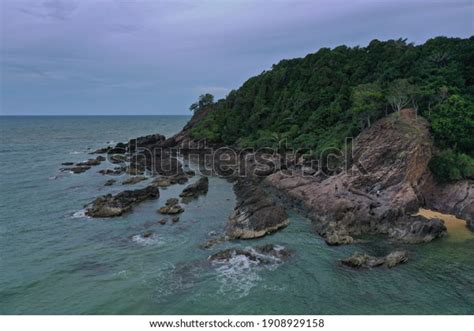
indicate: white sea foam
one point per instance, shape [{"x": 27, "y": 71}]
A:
[
  {"x": 75, "y": 152},
  {"x": 80, "y": 214},
  {"x": 149, "y": 241},
  {"x": 240, "y": 273}
]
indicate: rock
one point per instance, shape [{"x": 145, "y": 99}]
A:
[
  {"x": 266, "y": 254},
  {"x": 212, "y": 242},
  {"x": 100, "y": 158},
  {"x": 110, "y": 182},
  {"x": 134, "y": 171},
  {"x": 147, "y": 234},
  {"x": 171, "y": 210},
  {"x": 115, "y": 205},
  {"x": 162, "y": 221},
  {"x": 376, "y": 193},
  {"x": 334, "y": 239},
  {"x": 199, "y": 188},
  {"x": 255, "y": 214},
  {"x": 190, "y": 173},
  {"x": 172, "y": 202},
  {"x": 91, "y": 162},
  {"x": 102, "y": 150},
  {"x": 362, "y": 260},
  {"x": 175, "y": 219},
  {"x": 161, "y": 182},
  {"x": 417, "y": 229},
  {"x": 67, "y": 163},
  {"x": 395, "y": 258},
  {"x": 77, "y": 169},
  {"x": 116, "y": 171},
  {"x": 118, "y": 158},
  {"x": 452, "y": 198},
  {"x": 133, "y": 180}
]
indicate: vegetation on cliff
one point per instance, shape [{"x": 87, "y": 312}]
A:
[{"x": 317, "y": 101}]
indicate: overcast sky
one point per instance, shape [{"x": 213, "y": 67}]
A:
[{"x": 155, "y": 57}]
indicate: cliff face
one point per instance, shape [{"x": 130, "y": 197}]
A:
[{"x": 381, "y": 190}]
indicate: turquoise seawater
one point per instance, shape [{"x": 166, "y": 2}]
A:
[{"x": 53, "y": 260}]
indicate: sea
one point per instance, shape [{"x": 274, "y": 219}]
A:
[{"x": 56, "y": 260}]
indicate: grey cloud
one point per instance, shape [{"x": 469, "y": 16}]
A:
[{"x": 162, "y": 54}]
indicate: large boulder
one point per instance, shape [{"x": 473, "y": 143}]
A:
[
  {"x": 198, "y": 188},
  {"x": 361, "y": 260},
  {"x": 256, "y": 214}
]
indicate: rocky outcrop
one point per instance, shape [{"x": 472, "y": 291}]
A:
[
  {"x": 194, "y": 190},
  {"x": 361, "y": 260},
  {"x": 133, "y": 180},
  {"x": 115, "y": 205},
  {"x": 83, "y": 166},
  {"x": 262, "y": 254},
  {"x": 256, "y": 214},
  {"x": 376, "y": 194},
  {"x": 453, "y": 198},
  {"x": 77, "y": 169}
]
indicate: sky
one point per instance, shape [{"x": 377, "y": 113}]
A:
[{"x": 155, "y": 57}]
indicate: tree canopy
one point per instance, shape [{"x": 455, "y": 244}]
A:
[{"x": 317, "y": 101}]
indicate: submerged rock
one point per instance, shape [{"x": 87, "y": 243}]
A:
[
  {"x": 162, "y": 221},
  {"x": 194, "y": 190},
  {"x": 362, "y": 260},
  {"x": 115, "y": 205},
  {"x": 262, "y": 254},
  {"x": 147, "y": 234},
  {"x": 110, "y": 182},
  {"x": 161, "y": 182},
  {"x": 67, "y": 163},
  {"x": 175, "y": 219},
  {"x": 212, "y": 242},
  {"x": 77, "y": 169},
  {"x": 114, "y": 172},
  {"x": 133, "y": 180}
]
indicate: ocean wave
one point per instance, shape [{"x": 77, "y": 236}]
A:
[
  {"x": 80, "y": 214},
  {"x": 75, "y": 152},
  {"x": 240, "y": 273},
  {"x": 149, "y": 241}
]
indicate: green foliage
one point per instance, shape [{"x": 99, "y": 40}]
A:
[
  {"x": 449, "y": 166},
  {"x": 205, "y": 100},
  {"x": 317, "y": 101},
  {"x": 452, "y": 123}
]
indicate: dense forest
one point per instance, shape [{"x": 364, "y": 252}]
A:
[{"x": 316, "y": 101}]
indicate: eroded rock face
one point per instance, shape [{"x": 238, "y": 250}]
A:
[
  {"x": 361, "y": 260},
  {"x": 115, "y": 205},
  {"x": 455, "y": 198},
  {"x": 198, "y": 188},
  {"x": 377, "y": 194},
  {"x": 262, "y": 254},
  {"x": 256, "y": 214}
]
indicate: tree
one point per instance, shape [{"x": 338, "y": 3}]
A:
[
  {"x": 401, "y": 93},
  {"x": 205, "y": 100},
  {"x": 367, "y": 99}
]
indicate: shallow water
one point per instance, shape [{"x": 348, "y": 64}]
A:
[{"x": 56, "y": 261}]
